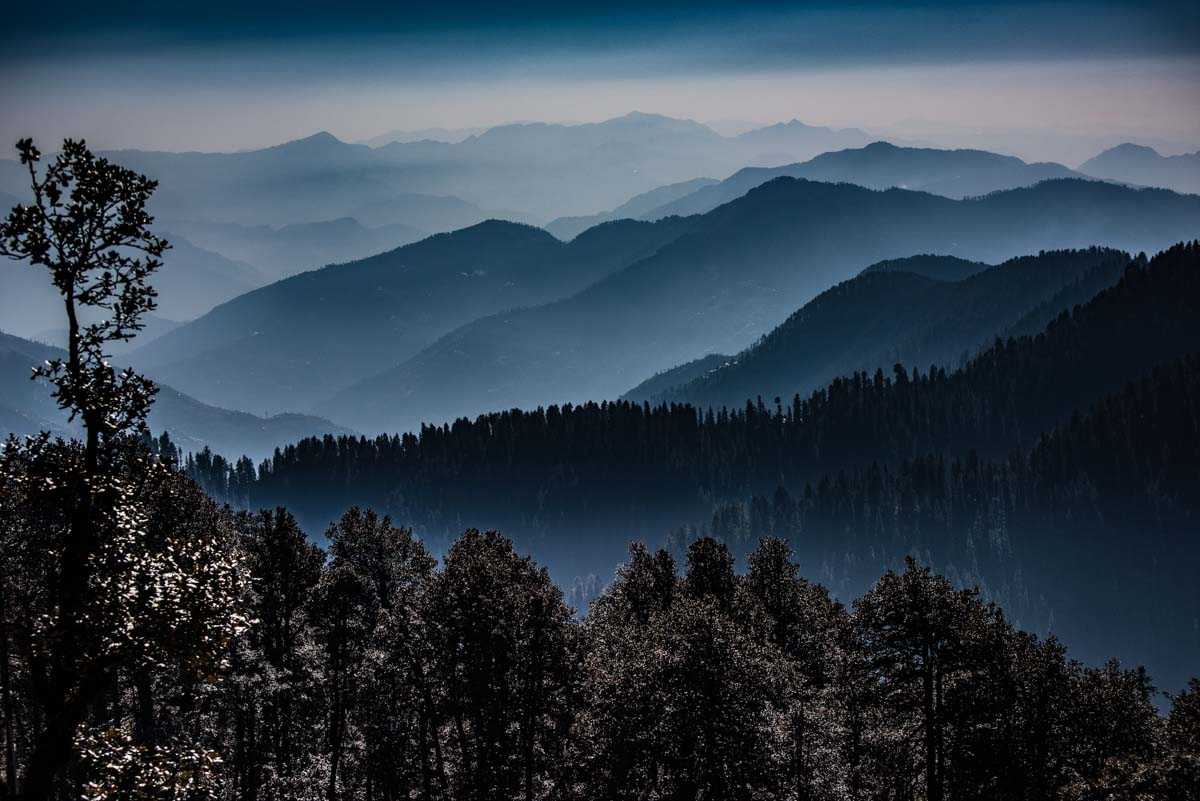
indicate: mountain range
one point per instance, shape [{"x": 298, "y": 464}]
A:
[
  {"x": 732, "y": 275},
  {"x": 1055, "y": 471},
  {"x": 295, "y": 342},
  {"x": 527, "y": 172},
  {"x": 891, "y": 315},
  {"x": 286, "y": 250},
  {"x": 191, "y": 281},
  {"x": 881, "y": 165},
  {"x": 27, "y": 408},
  {"x": 1137, "y": 164},
  {"x": 638, "y": 206}
]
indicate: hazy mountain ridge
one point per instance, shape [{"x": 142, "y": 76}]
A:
[
  {"x": 26, "y": 407},
  {"x": 796, "y": 141},
  {"x": 1138, "y": 164},
  {"x": 299, "y": 247},
  {"x": 930, "y": 265},
  {"x": 191, "y": 281},
  {"x": 890, "y": 316},
  {"x": 668, "y": 381},
  {"x": 528, "y": 172},
  {"x": 566, "y": 228},
  {"x": 1023, "y": 471},
  {"x": 744, "y": 268},
  {"x": 880, "y": 165},
  {"x": 422, "y": 135},
  {"x": 296, "y": 342}
]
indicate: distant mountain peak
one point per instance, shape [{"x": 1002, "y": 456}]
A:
[
  {"x": 1131, "y": 149},
  {"x": 1141, "y": 165},
  {"x": 319, "y": 140}
]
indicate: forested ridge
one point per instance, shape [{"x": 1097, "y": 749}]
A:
[
  {"x": 1086, "y": 534},
  {"x": 560, "y": 465},
  {"x": 889, "y": 315}
]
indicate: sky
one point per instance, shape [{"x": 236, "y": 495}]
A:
[{"x": 1044, "y": 78}]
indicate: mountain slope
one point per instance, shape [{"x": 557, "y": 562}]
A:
[
  {"x": 295, "y": 342},
  {"x": 794, "y": 141},
  {"x": 290, "y": 249},
  {"x": 567, "y": 228},
  {"x": 744, "y": 268},
  {"x": 307, "y": 180},
  {"x": 884, "y": 317},
  {"x": 669, "y": 381},
  {"x": 952, "y": 173},
  {"x": 939, "y": 268},
  {"x": 1137, "y": 164},
  {"x": 26, "y": 408},
  {"x": 523, "y": 172},
  {"x": 191, "y": 281},
  {"x": 595, "y": 475}
]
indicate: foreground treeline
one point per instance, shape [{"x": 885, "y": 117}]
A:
[{"x": 243, "y": 662}]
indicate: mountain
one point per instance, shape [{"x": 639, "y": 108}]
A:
[
  {"x": 939, "y": 268},
  {"x": 314, "y": 179},
  {"x": 290, "y": 249},
  {"x": 794, "y": 141},
  {"x": 527, "y": 172},
  {"x": 999, "y": 400},
  {"x": 552, "y": 170},
  {"x": 295, "y": 342},
  {"x": 742, "y": 269},
  {"x": 26, "y": 408},
  {"x": 1137, "y": 164},
  {"x": 567, "y": 228},
  {"x": 191, "y": 281},
  {"x": 952, "y": 173},
  {"x": 153, "y": 328},
  {"x": 887, "y": 316},
  {"x": 668, "y": 381},
  {"x": 423, "y": 135},
  {"x": 1055, "y": 471}
]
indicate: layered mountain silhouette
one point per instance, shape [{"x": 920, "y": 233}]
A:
[
  {"x": 286, "y": 250},
  {"x": 295, "y": 342},
  {"x": 567, "y": 228},
  {"x": 422, "y": 135},
  {"x": 931, "y": 265},
  {"x": 27, "y": 408},
  {"x": 794, "y": 141},
  {"x": 888, "y": 315},
  {"x": 741, "y": 270},
  {"x": 1137, "y": 164},
  {"x": 880, "y": 165},
  {"x": 1056, "y": 470},
  {"x": 314, "y": 179},
  {"x": 531, "y": 172},
  {"x": 191, "y": 281}
]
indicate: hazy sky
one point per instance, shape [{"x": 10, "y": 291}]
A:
[{"x": 229, "y": 75}]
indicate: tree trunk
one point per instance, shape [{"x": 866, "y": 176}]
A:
[
  {"x": 932, "y": 786},
  {"x": 10, "y": 747}
]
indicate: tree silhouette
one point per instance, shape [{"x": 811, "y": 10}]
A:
[{"x": 132, "y": 587}]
